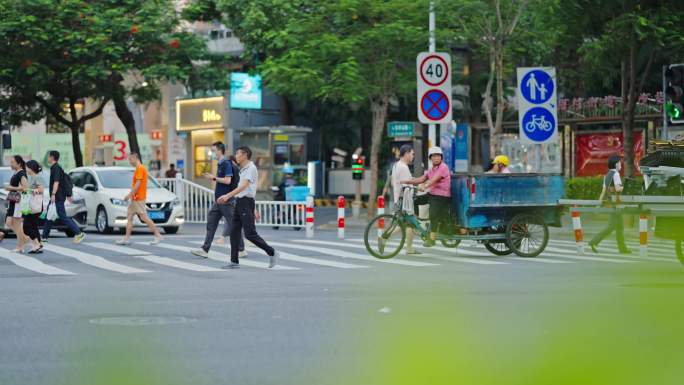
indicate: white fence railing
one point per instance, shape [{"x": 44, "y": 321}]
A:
[{"x": 197, "y": 200}]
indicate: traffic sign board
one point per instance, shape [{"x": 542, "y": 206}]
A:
[
  {"x": 435, "y": 105},
  {"x": 537, "y": 108},
  {"x": 433, "y": 74},
  {"x": 400, "y": 129}
]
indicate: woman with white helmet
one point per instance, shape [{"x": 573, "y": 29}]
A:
[{"x": 437, "y": 180}]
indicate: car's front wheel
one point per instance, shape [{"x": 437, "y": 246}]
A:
[{"x": 102, "y": 221}]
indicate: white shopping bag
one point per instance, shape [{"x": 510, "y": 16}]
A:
[{"x": 52, "y": 212}]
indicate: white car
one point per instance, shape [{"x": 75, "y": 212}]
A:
[{"x": 104, "y": 188}]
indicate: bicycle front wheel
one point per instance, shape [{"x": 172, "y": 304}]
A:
[{"x": 385, "y": 236}]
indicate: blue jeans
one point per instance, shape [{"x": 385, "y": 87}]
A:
[{"x": 61, "y": 213}]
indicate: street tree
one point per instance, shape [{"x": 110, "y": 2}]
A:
[
  {"x": 63, "y": 54},
  {"x": 352, "y": 51}
]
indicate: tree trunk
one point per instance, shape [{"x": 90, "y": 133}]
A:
[
  {"x": 495, "y": 146},
  {"x": 76, "y": 143},
  {"x": 379, "y": 113},
  {"x": 628, "y": 103},
  {"x": 126, "y": 117},
  {"x": 488, "y": 101}
]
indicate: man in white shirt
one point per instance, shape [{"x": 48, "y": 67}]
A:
[
  {"x": 401, "y": 171},
  {"x": 244, "y": 210}
]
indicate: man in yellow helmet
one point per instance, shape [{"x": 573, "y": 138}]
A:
[{"x": 500, "y": 165}]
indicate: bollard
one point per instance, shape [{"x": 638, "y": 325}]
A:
[
  {"x": 643, "y": 234},
  {"x": 381, "y": 210},
  {"x": 340, "y": 217},
  {"x": 310, "y": 216},
  {"x": 579, "y": 236}
]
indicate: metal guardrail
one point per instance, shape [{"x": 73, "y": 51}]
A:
[{"x": 197, "y": 200}]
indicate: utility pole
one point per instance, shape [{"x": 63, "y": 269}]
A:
[{"x": 432, "y": 129}]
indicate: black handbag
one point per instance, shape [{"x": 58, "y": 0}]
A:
[{"x": 14, "y": 197}]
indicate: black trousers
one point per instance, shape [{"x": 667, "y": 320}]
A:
[
  {"x": 244, "y": 220},
  {"x": 31, "y": 226},
  {"x": 440, "y": 212},
  {"x": 614, "y": 224},
  {"x": 214, "y": 216}
]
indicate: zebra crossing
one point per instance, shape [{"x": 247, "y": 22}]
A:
[{"x": 143, "y": 259}]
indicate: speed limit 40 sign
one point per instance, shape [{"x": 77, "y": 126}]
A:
[{"x": 433, "y": 71}]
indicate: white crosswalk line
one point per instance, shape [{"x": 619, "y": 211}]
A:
[
  {"x": 296, "y": 258},
  {"x": 605, "y": 253},
  {"x": 345, "y": 254},
  {"x": 116, "y": 248},
  {"x": 94, "y": 260},
  {"x": 170, "y": 262},
  {"x": 224, "y": 258},
  {"x": 32, "y": 264},
  {"x": 455, "y": 258},
  {"x": 586, "y": 258}
]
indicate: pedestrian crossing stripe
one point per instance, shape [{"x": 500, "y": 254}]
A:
[
  {"x": 94, "y": 260},
  {"x": 296, "y": 258},
  {"x": 32, "y": 264},
  {"x": 346, "y": 254},
  {"x": 222, "y": 258},
  {"x": 165, "y": 261}
]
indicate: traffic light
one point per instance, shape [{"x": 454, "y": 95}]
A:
[
  {"x": 674, "y": 93},
  {"x": 357, "y": 166}
]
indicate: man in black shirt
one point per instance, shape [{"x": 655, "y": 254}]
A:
[{"x": 59, "y": 194}]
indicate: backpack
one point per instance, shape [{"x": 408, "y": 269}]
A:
[
  {"x": 235, "y": 179},
  {"x": 67, "y": 185}
]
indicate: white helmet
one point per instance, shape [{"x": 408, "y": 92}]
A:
[{"x": 435, "y": 150}]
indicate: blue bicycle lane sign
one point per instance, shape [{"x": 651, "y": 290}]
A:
[
  {"x": 539, "y": 124},
  {"x": 537, "y": 108}
]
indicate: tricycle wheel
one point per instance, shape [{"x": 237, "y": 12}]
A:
[
  {"x": 498, "y": 248},
  {"x": 450, "y": 243},
  {"x": 679, "y": 251},
  {"x": 527, "y": 235},
  {"x": 384, "y": 236}
]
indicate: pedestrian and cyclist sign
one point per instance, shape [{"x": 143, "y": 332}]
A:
[
  {"x": 434, "y": 87},
  {"x": 537, "y": 108}
]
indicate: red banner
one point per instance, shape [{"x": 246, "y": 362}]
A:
[{"x": 593, "y": 150}]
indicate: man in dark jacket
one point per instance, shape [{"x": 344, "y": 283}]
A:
[{"x": 59, "y": 192}]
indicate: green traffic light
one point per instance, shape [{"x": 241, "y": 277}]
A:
[{"x": 673, "y": 111}]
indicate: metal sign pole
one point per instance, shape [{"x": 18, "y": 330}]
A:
[{"x": 432, "y": 129}]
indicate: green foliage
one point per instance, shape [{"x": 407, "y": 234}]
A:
[{"x": 590, "y": 187}]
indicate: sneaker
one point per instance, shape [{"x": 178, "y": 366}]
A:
[
  {"x": 242, "y": 254},
  {"x": 79, "y": 238},
  {"x": 231, "y": 265},
  {"x": 593, "y": 247},
  {"x": 156, "y": 241},
  {"x": 273, "y": 259},
  {"x": 413, "y": 252},
  {"x": 429, "y": 243},
  {"x": 43, "y": 240},
  {"x": 199, "y": 253},
  {"x": 626, "y": 251},
  {"x": 123, "y": 241}
]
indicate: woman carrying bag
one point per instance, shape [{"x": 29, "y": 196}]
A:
[
  {"x": 18, "y": 184},
  {"x": 33, "y": 210},
  {"x": 612, "y": 184}
]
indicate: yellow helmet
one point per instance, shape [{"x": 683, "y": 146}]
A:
[{"x": 501, "y": 159}]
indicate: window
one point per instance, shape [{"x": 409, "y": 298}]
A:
[
  {"x": 121, "y": 179},
  {"x": 77, "y": 178},
  {"x": 202, "y": 160},
  {"x": 88, "y": 178},
  {"x": 282, "y": 155}
]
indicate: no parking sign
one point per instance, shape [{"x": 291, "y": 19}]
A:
[
  {"x": 537, "y": 108},
  {"x": 433, "y": 72}
]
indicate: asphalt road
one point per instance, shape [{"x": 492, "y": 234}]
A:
[{"x": 96, "y": 313}]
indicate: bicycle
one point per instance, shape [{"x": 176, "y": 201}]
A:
[
  {"x": 390, "y": 231},
  {"x": 538, "y": 123}
]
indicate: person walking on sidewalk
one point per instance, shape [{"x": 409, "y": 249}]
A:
[
  {"x": 225, "y": 236},
  {"x": 136, "y": 205},
  {"x": 244, "y": 210},
  {"x": 612, "y": 184},
  {"x": 400, "y": 171},
  {"x": 60, "y": 191},
  {"x": 226, "y": 179}
]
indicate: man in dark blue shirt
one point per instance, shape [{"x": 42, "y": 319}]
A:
[{"x": 226, "y": 180}]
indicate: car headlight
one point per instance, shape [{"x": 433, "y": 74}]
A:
[
  {"x": 175, "y": 202},
  {"x": 118, "y": 202}
]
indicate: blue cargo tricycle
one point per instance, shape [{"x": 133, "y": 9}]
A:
[{"x": 508, "y": 213}]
